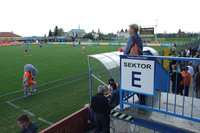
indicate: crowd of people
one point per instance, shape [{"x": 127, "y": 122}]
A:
[
  {"x": 101, "y": 105},
  {"x": 183, "y": 73}
]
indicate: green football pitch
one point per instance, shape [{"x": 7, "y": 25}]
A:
[{"x": 62, "y": 81}]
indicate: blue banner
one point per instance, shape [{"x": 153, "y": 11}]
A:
[
  {"x": 114, "y": 43},
  {"x": 62, "y": 42},
  {"x": 27, "y": 43},
  {"x": 167, "y": 44},
  {"x": 94, "y": 43},
  {"x": 60, "y": 37},
  {"x": 49, "y": 42},
  {"x": 76, "y": 43}
]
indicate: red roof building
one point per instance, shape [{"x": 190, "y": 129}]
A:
[{"x": 9, "y": 36}]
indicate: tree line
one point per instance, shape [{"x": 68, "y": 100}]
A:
[{"x": 57, "y": 32}]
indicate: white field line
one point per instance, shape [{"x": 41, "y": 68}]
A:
[
  {"x": 32, "y": 114},
  {"x": 11, "y": 93},
  {"x": 15, "y": 99},
  {"x": 62, "y": 84},
  {"x": 28, "y": 112},
  {"x": 42, "y": 84},
  {"x": 15, "y": 106},
  {"x": 45, "y": 121},
  {"x": 47, "y": 89}
]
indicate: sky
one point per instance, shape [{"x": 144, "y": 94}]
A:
[{"x": 37, "y": 17}]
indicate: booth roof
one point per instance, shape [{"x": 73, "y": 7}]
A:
[{"x": 8, "y": 34}]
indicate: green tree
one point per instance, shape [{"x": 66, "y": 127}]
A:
[
  {"x": 61, "y": 32},
  {"x": 76, "y": 35},
  {"x": 45, "y": 38},
  {"x": 100, "y": 34},
  {"x": 56, "y": 31},
  {"x": 88, "y": 36},
  {"x": 73, "y": 39},
  {"x": 50, "y": 33},
  {"x": 122, "y": 30}
]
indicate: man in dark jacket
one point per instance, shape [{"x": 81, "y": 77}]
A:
[
  {"x": 114, "y": 98},
  {"x": 197, "y": 83},
  {"x": 176, "y": 82},
  {"x": 193, "y": 51},
  {"x": 26, "y": 125},
  {"x": 101, "y": 110}
]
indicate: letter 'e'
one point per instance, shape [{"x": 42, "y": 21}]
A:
[{"x": 134, "y": 78}]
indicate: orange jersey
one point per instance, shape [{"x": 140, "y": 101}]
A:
[
  {"x": 188, "y": 78},
  {"x": 30, "y": 79},
  {"x": 27, "y": 75}
]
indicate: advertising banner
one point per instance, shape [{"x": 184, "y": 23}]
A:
[{"x": 147, "y": 32}]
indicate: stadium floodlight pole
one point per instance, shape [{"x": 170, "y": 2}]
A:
[{"x": 156, "y": 31}]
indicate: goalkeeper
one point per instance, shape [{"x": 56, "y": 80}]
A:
[{"x": 29, "y": 73}]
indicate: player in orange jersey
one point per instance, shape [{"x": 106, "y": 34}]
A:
[
  {"x": 26, "y": 51},
  {"x": 40, "y": 47},
  {"x": 74, "y": 46},
  {"x": 83, "y": 49}
]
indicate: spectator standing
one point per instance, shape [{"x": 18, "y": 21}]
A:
[
  {"x": 185, "y": 82},
  {"x": 182, "y": 63},
  {"x": 135, "y": 47},
  {"x": 26, "y": 125},
  {"x": 173, "y": 49},
  {"x": 111, "y": 82},
  {"x": 188, "y": 52},
  {"x": 133, "y": 39},
  {"x": 196, "y": 63},
  {"x": 114, "y": 98},
  {"x": 197, "y": 54},
  {"x": 91, "y": 120},
  {"x": 197, "y": 82},
  {"x": 176, "y": 78},
  {"x": 172, "y": 62},
  {"x": 190, "y": 69},
  {"x": 199, "y": 48},
  {"x": 193, "y": 51},
  {"x": 101, "y": 109},
  {"x": 182, "y": 53}
]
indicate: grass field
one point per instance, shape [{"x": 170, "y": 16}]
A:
[
  {"x": 60, "y": 93},
  {"x": 55, "y": 100}
]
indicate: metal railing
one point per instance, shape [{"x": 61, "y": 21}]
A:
[{"x": 185, "y": 104}]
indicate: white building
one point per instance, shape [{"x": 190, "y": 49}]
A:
[
  {"x": 122, "y": 35},
  {"x": 76, "y": 32}
]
